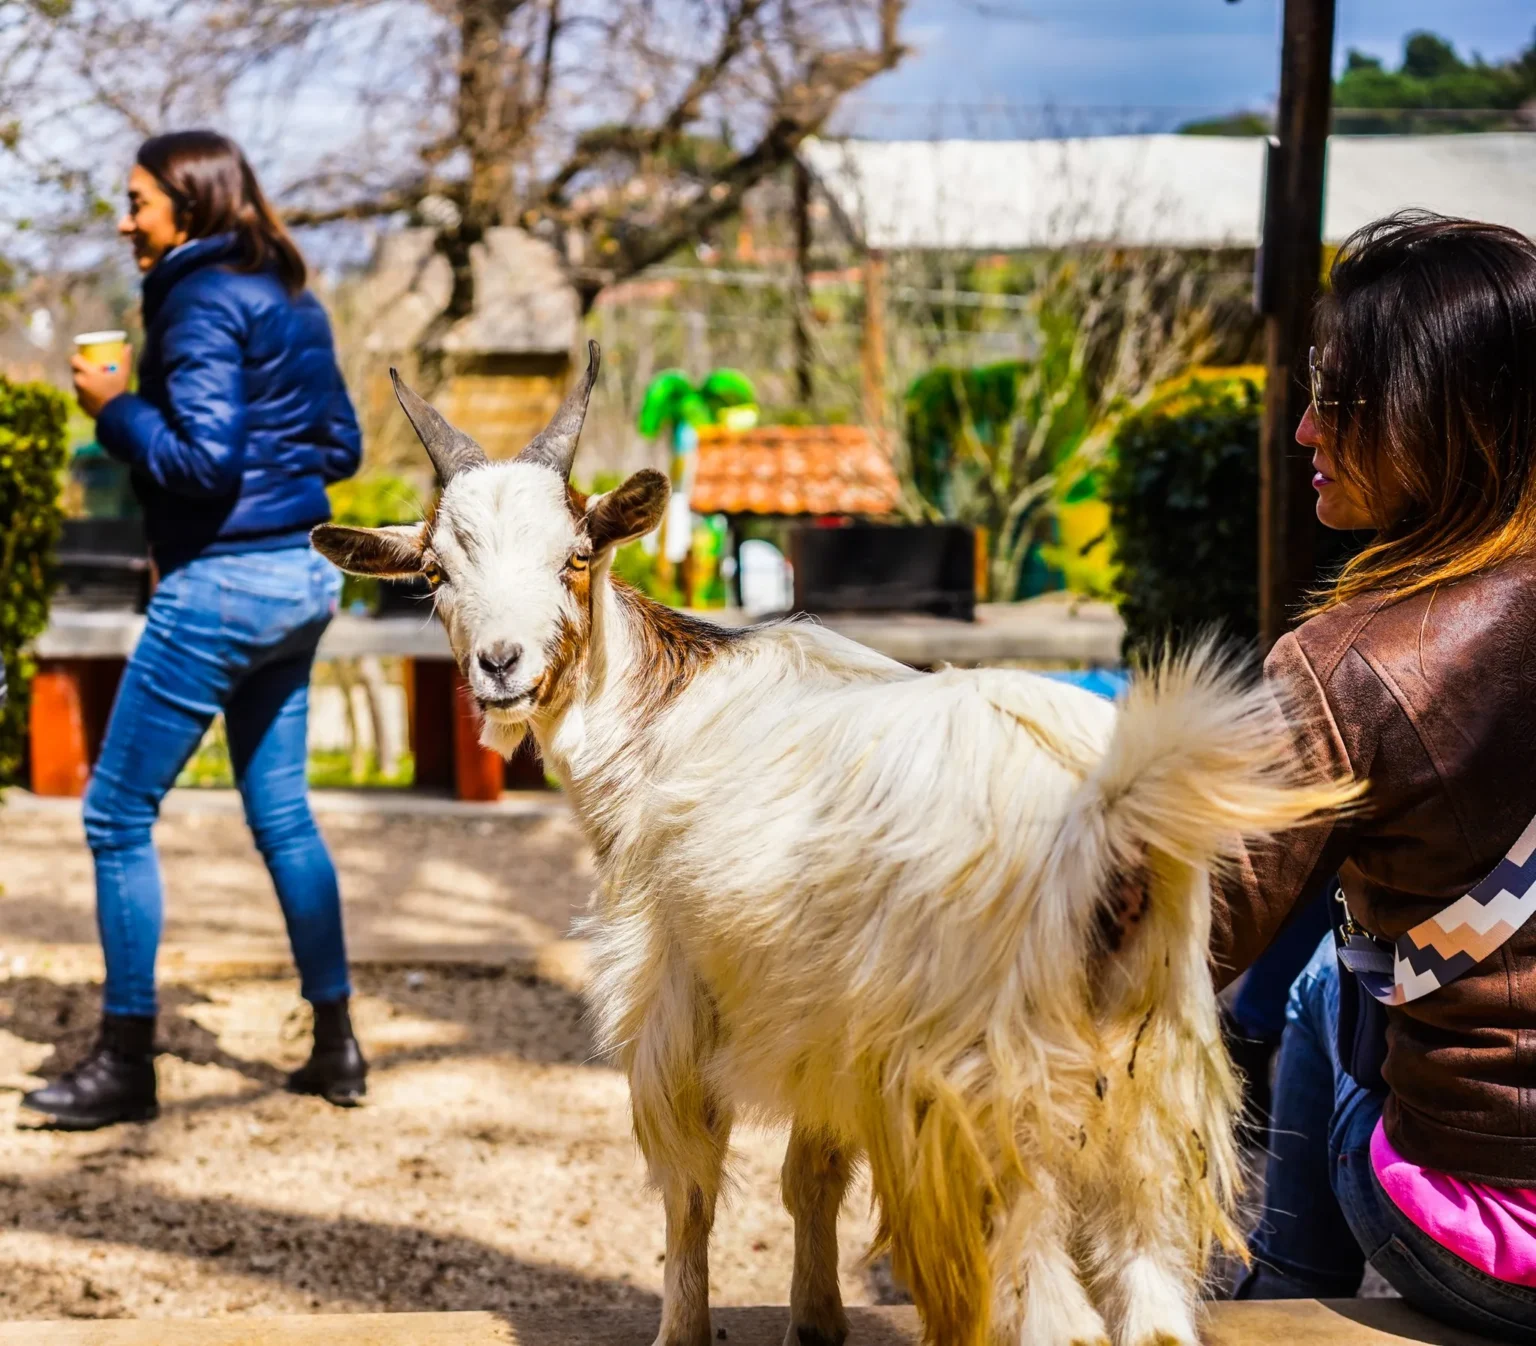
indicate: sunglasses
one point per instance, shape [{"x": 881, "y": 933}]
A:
[{"x": 1317, "y": 377}]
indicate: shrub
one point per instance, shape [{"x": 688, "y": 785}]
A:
[
  {"x": 32, "y": 421},
  {"x": 1183, "y": 492}
]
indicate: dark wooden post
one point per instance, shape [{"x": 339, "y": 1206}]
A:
[
  {"x": 804, "y": 386},
  {"x": 429, "y": 692},
  {"x": 1291, "y": 266}
]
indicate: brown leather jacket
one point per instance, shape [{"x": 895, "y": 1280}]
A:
[{"x": 1432, "y": 701}]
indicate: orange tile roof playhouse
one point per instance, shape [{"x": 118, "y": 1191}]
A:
[{"x": 793, "y": 469}]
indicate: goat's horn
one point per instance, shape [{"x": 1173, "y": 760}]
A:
[
  {"x": 555, "y": 446},
  {"x": 450, "y": 450}
]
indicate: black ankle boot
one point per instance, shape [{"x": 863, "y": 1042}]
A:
[
  {"x": 335, "y": 1069},
  {"x": 114, "y": 1083}
]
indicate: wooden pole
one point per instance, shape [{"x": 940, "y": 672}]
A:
[
  {"x": 874, "y": 343},
  {"x": 804, "y": 385},
  {"x": 1291, "y": 266}
]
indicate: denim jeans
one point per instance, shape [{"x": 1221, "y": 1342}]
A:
[
  {"x": 238, "y": 634},
  {"x": 1259, "y": 1006},
  {"x": 1325, "y": 1213}
]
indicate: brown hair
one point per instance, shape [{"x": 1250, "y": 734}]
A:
[
  {"x": 215, "y": 192},
  {"x": 1428, "y": 341}
]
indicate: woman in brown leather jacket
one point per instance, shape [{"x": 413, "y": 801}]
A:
[{"x": 1412, "y": 1144}]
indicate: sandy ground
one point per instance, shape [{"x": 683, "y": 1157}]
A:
[
  {"x": 492, "y": 1166},
  {"x": 469, "y": 877}
]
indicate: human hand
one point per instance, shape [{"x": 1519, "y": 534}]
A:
[{"x": 95, "y": 386}]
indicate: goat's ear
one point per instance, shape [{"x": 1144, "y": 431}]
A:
[
  {"x": 392, "y": 553},
  {"x": 629, "y": 511}
]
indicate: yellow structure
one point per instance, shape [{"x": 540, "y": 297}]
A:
[{"x": 498, "y": 373}]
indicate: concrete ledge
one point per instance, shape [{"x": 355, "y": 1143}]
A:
[
  {"x": 1054, "y": 628},
  {"x": 383, "y": 803},
  {"x": 1362, "y": 1322}
]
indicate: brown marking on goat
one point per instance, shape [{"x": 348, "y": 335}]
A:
[
  {"x": 1130, "y": 897},
  {"x": 1130, "y": 1069},
  {"x": 671, "y": 648},
  {"x": 568, "y": 649}
]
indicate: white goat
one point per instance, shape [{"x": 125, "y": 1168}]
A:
[{"x": 953, "y": 924}]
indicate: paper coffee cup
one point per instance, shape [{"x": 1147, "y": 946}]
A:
[{"x": 108, "y": 350}]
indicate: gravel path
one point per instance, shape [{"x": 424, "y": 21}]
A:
[{"x": 492, "y": 1166}]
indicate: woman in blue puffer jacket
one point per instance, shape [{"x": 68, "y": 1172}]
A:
[{"x": 240, "y": 422}]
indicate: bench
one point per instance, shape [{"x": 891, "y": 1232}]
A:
[
  {"x": 82, "y": 653},
  {"x": 1307, "y": 1322}
]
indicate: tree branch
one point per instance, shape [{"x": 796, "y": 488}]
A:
[
  {"x": 547, "y": 63},
  {"x": 637, "y": 140},
  {"x": 390, "y": 202},
  {"x": 805, "y": 108}
]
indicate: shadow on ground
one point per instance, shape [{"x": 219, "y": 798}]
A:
[
  {"x": 396, "y": 1268},
  {"x": 535, "y": 1021}
]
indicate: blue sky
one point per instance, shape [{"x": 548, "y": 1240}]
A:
[{"x": 1201, "y": 55}]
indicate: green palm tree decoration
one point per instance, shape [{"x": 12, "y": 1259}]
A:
[
  {"x": 672, "y": 399},
  {"x": 674, "y": 405}
]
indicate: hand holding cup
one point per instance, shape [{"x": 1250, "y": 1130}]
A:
[{"x": 101, "y": 365}]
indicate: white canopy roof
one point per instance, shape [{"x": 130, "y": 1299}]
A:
[{"x": 1158, "y": 190}]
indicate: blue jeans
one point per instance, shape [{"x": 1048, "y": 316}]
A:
[
  {"x": 1259, "y": 1006},
  {"x": 1325, "y": 1213},
  {"x": 237, "y": 634}
]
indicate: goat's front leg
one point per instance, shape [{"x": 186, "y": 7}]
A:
[
  {"x": 816, "y": 1173},
  {"x": 683, "y": 1132}
]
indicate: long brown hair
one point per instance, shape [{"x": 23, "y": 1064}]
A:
[
  {"x": 1428, "y": 341},
  {"x": 215, "y": 192}
]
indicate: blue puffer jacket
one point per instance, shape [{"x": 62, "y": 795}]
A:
[{"x": 241, "y": 418}]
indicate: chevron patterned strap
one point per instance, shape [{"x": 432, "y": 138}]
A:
[{"x": 1437, "y": 951}]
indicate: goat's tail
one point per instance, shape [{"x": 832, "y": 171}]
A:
[{"x": 1199, "y": 764}]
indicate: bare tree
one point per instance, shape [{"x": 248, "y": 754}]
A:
[{"x": 620, "y": 130}]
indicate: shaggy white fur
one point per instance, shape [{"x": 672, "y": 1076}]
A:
[{"x": 871, "y": 903}]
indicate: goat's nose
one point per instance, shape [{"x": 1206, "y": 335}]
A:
[{"x": 499, "y": 659}]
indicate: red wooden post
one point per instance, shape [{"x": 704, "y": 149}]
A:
[
  {"x": 60, "y": 760},
  {"x": 477, "y": 771},
  {"x": 71, "y": 703}
]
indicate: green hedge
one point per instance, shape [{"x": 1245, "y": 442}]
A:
[
  {"x": 1183, "y": 495},
  {"x": 1183, "y": 492},
  {"x": 32, "y": 421}
]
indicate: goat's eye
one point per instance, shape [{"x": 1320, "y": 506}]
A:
[
  {"x": 577, "y": 561},
  {"x": 433, "y": 574}
]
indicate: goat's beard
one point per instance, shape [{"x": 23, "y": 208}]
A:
[{"x": 504, "y": 736}]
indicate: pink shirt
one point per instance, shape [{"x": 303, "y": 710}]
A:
[{"x": 1493, "y": 1228}]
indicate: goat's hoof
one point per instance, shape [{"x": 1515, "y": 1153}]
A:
[
  {"x": 817, "y": 1334},
  {"x": 698, "y": 1335}
]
